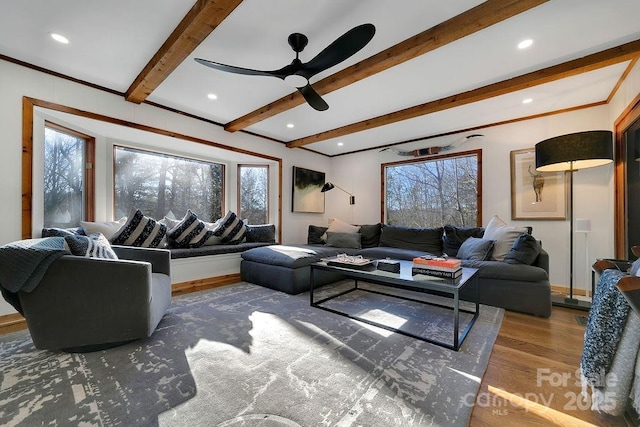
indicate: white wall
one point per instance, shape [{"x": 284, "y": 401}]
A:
[{"x": 593, "y": 188}]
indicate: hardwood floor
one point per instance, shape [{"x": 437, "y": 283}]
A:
[{"x": 532, "y": 378}]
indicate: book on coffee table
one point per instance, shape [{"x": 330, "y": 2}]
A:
[{"x": 437, "y": 272}]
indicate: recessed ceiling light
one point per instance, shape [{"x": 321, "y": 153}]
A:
[
  {"x": 340, "y": 144},
  {"x": 290, "y": 125},
  {"x": 527, "y": 101},
  {"x": 525, "y": 44},
  {"x": 59, "y": 38},
  {"x": 212, "y": 96}
]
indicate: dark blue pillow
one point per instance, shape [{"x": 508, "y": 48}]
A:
[
  {"x": 525, "y": 250},
  {"x": 476, "y": 249}
]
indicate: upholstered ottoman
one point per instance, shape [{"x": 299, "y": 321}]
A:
[{"x": 286, "y": 268}]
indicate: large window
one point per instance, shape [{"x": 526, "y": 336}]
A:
[
  {"x": 68, "y": 177},
  {"x": 162, "y": 185},
  {"x": 253, "y": 193},
  {"x": 433, "y": 192}
]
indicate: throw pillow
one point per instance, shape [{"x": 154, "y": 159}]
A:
[
  {"x": 261, "y": 233},
  {"x": 420, "y": 239},
  {"x": 370, "y": 235},
  {"x": 190, "y": 232},
  {"x": 455, "y": 236},
  {"x": 140, "y": 231},
  {"x": 504, "y": 235},
  {"x": 108, "y": 228},
  {"x": 93, "y": 246},
  {"x": 344, "y": 240},
  {"x": 338, "y": 226},
  {"x": 62, "y": 232},
  {"x": 314, "y": 235},
  {"x": 525, "y": 250},
  {"x": 231, "y": 229},
  {"x": 475, "y": 249}
]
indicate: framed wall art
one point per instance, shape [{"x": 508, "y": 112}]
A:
[
  {"x": 306, "y": 195},
  {"x": 536, "y": 195}
]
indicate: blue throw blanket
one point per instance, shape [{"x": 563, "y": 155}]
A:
[
  {"x": 606, "y": 322},
  {"x": 24, "y": 263}
]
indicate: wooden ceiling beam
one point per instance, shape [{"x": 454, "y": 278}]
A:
[
  {"x": 478, "y": 18},
  {"x": 197, "y": 24},
  {"x": 608, "y": 57}
]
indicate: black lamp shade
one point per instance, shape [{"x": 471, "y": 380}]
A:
[
  {"x": 327, "y": 186},
  {"x": 575, "y": 151}
]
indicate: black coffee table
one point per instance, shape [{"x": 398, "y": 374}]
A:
[{"x": 405, "y": 280}]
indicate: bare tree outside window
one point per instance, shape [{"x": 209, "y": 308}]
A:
[
  {"x": 63, "y": 178},
  {"x": 253, "y": 193},
  {"x": 433, "y": 192},
  {"x": 161, "y": 185}
]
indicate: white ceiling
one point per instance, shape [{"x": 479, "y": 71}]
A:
[{"x": 111, "y": 42}]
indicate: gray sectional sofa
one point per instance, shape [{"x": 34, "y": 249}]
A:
[{"x": 510, "y": 284}]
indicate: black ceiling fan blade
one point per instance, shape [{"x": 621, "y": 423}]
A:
[
  {"x": 239, "y": 70},
  {"x": 342, "y": 48},
  {"x": 313, "y": 98}
]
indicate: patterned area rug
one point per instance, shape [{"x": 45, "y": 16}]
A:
[{"x": 244, "y": 355}]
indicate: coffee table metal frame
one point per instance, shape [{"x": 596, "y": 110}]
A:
[{"x": 404, "y": 280}]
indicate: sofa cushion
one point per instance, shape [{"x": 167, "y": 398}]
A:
[
  {"x": 498, "y": 270},
  {"x": 420, "y": 239},
  {"x": 382, "y": 252},
  {"x": 177, "y": 253},
  {"x": 139, "y": 230},
  {"x": 338, "y": 226},
  {"x": 230, "y": 229},
  {"x": 314, "y": 235},
  {"x": 454, "y": 237},
  {"x": 370, "y": 235},
  {"x": 525, "y": 250},
  {"x": 476, "y": 249},
  {"x": 292, "y": 256},
  {"x": 93, "y": 246},
  {"x": 344, "y": 240},
  {"x": 504, "y": 235},
  {"x": 190, "y": 232},
  {"x": 261, "y": 233},
  {"x": 107, "y": 228}
]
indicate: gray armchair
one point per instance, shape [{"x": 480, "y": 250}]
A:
[{"x": 87, "y": 304}]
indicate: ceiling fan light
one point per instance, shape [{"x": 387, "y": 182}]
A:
[{"x": 295, "y": 80}]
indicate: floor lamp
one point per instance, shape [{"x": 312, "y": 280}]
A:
[{"x": 569, "y": 153}]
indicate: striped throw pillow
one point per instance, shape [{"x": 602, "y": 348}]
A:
[
  {"x": 230, "y": 229},
  {"x": 191, "y": 232},
  {"x": 94, "y": 246},
  {"x": 139, "y": 230}
]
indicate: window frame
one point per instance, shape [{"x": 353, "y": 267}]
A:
[
  {"x": 383, "y": 178},
  {"x": 238, "y": 186},
  {"x": 89, "y": 176}
]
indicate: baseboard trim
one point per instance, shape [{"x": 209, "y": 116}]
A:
[
  {"x": 11, "y": 323},
  {"x": 565, "y": 290},
  {"x": 202, "y": 284},
  {"x": 15, "y": 322}
]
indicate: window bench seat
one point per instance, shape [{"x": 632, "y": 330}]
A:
[{"x": 177, "y": 253}]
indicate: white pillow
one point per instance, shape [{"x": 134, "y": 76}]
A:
[
  {"x": 108, "y": 228},
  {"x": 339, "y": 226},
  {"x": 503, "y": 235}
]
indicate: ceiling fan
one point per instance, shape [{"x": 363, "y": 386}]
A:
[{"x": 298, "y": 73}]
